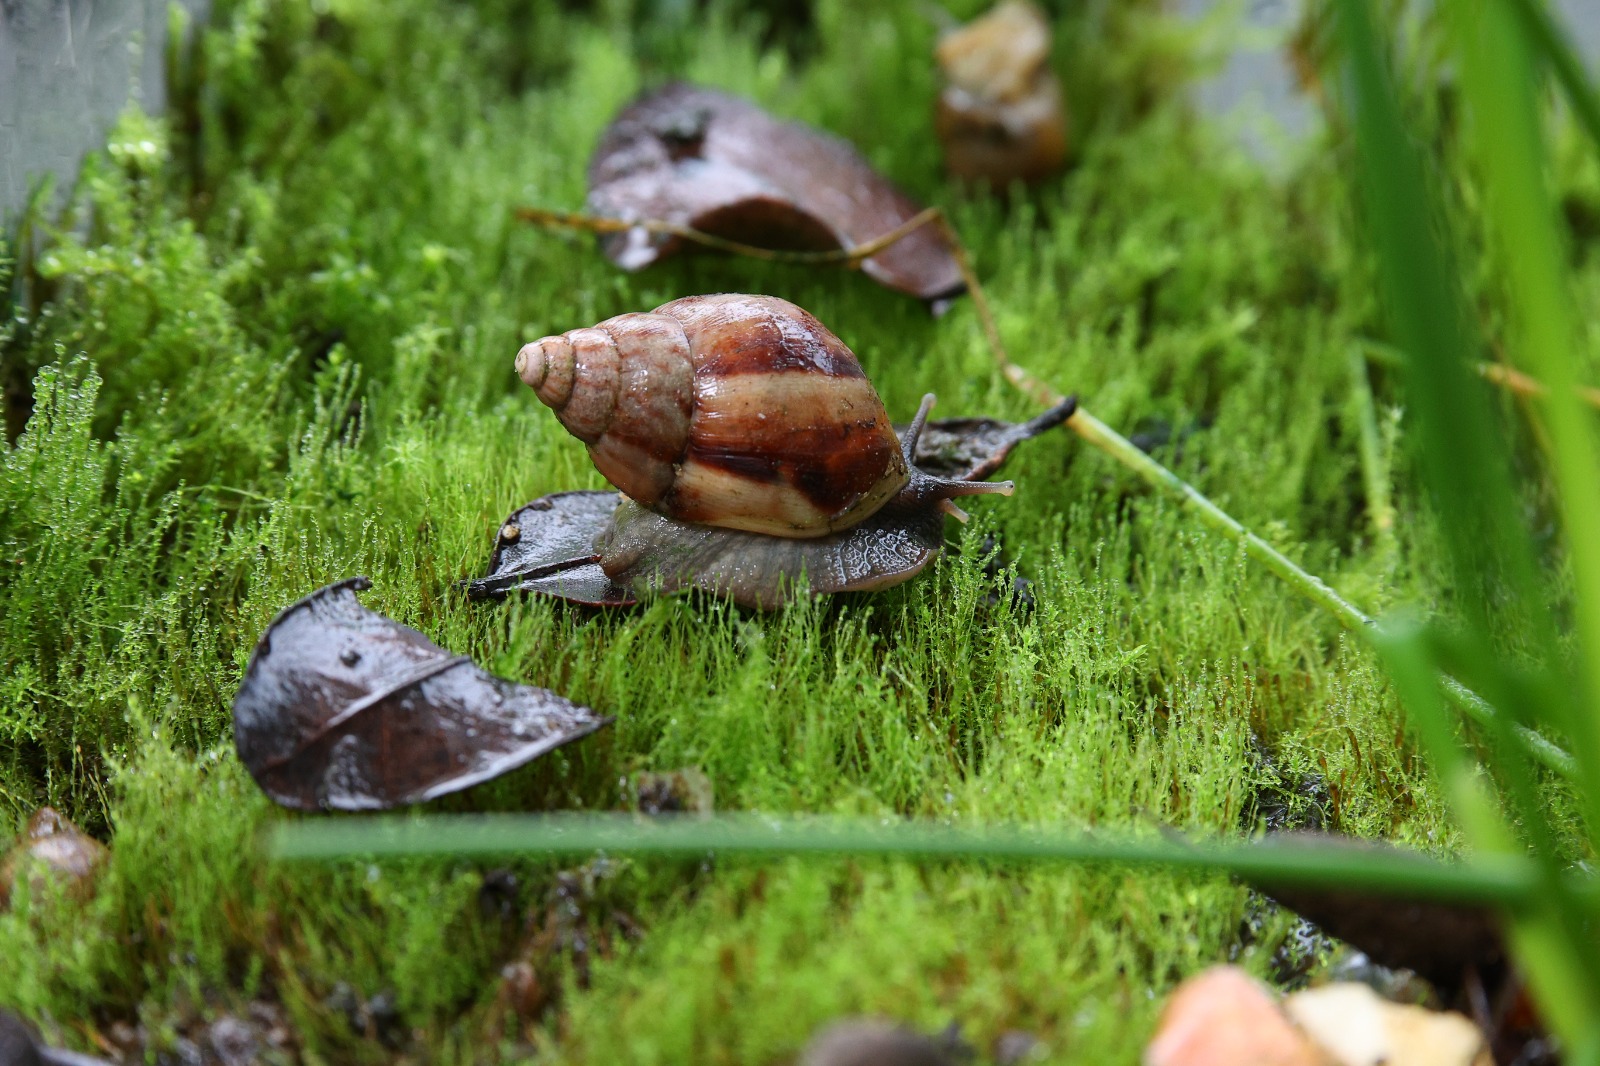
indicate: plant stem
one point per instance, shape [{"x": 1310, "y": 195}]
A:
[
  {"x": 1307, "y": 584},
  {"x": 1374, "y": 471}
]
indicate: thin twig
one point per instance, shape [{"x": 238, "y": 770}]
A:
[
  {"x": 1313, "y": 588},
  {"x": 1496, "y": 373},
  {"x": 1530, "y": 387}
]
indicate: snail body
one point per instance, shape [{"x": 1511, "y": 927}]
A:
[{"x": 751, "y": 450}]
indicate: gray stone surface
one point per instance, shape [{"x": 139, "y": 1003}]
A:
[
  {"x": 1255, "y": 91},
  {"x": 67, "y": 69}
]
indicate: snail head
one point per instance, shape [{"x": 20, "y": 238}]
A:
[{"x": 924, "y": 488}]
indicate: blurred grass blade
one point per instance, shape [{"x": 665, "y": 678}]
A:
[
  {"x": 1402, "y": 642},
  {"x": 1504, "y": 132},
  {"x": 1466, "y": 463},
  {"x": 1552, "y": 44},
  {"x": 1458, "y": 441},
  {"x": 1314, "y": 861}
]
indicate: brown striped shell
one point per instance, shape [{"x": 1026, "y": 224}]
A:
[{"x": 737, "y": 411}]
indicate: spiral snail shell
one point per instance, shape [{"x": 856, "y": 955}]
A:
[{"x": 733, "y": 411}]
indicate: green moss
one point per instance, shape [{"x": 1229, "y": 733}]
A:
[{"x": 273, "y": 350}]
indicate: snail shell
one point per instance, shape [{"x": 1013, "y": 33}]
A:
[
  {"x": 1000, "y": 115},
  {"x": 735, "y": 411}
]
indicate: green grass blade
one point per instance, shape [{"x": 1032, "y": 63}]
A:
[
  {"x": 1458, "y": 442},
  {"x": 1551, "y": 43},
  {"x": 1498, "y": 84},
  {"x": 1501, "y": 880}
]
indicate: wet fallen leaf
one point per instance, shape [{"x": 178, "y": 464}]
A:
[
  {"x": 551, "y": 546},
  {"x": 1435, "y": 940},
  {"x": 548, "y": 547},
  {"x": 870, "y": 1042},
  {"x": 1440, "y": 942},
  {"x": 1223, "y": 1017},
  {"x": 1000, "y": 115},
  {"x": 52, "y": 849},
  {"x": 971, "y": 449},
  {"x": 1358, "y": 1028},
  {"x": 719, "y": 164},
  {"x": 343, "y": 708}
]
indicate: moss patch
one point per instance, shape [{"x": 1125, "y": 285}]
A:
[{"x": 271, "y": 347}]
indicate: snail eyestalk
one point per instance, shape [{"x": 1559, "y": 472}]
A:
[
  {"x": 924, "y": 488},
  {"x": 948, "y": 506}
]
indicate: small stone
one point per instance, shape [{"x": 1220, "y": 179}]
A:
[
  {"x": 1357, "y": 1027},
  {"x": 16, "y": 1042},
  {"x": 233, "y": 1042},
  {"x": 678, "y": 791},
  {"x": 871, "y": 1042},
  {"x": 1016, "y": 1047},
  {"x": 510, "y": 533},
  {"x": 1224, "y": 1018},
  {"x": 52, "y": 849}
]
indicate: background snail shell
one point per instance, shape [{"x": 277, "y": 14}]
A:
[
  {"x": 736, "y": 411},
  {"x": 1000, "y": 115}
]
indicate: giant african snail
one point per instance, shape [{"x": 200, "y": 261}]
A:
[{"x": 735, "y": 411}]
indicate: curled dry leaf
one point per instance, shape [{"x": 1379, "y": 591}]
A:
[
  {"x": 555, "y": 545},
  {"x": 1000, "y": 115},
  {"x": 52, "y": 849},
  {"x": 718, "y": 164},
  {"x": 343, "y": 708}
]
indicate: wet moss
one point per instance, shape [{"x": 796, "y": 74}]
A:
[{"x": 274, "y": 350}]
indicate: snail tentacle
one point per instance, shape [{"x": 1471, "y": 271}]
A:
[{"x": 925, "y": 489}]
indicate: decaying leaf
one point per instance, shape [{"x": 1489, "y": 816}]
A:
[
  {"x": 719, "y": 164},
  {"x": 971, "y": 449},
  {"x": 553, "y": 546},
  {"x": 1223, "y": 1017},
  {"x": 52, "y": 849},
  {"x": 548, "y": 547},
  {"x": 1000, "y": 115},
  {"x": 1441, "y": 942},
  {"x": 343, "y": 708}
]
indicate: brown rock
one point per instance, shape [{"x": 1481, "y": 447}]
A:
[
  {"x": 1357, "y": 1027},
  {"x": 1224, "y": 1018},
  {"x": 52, "y": 849}
]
